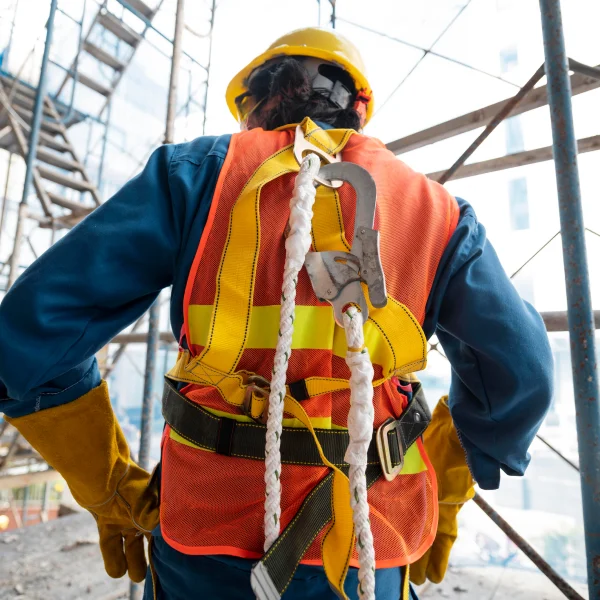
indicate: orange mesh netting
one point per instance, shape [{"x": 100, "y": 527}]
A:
[
  {"x": 214, "y": 501},
  {"x": 218, "y": 504}
]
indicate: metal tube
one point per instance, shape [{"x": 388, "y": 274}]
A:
[
  {"x": 25, "y": 506},
  {"x": 10, "y": 38},
  {"x": 5, "y": 197},
  {"x": 148, "y": 399},
  {"x": 147, "y": 406},
  {"x": 579, "y": 304},
  {"x": 557, "y": 452},
  {"x": 210, "y": 45},
  {"x": 528, "y": 550},
  {"x": 154, "y": 312},
  {"x": 68, "y": 114},
  {"x": 578, "y": 67},
  {"x": 149, "y": 25},
  {"x": 45, "y": 502},
  {"x": 502, "y": 114},
  {"x": 174, "y": 80},
  {"x": 103, "y": 151},
  {"x": 33, "y": 144}
]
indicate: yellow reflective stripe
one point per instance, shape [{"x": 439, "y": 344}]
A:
[
  {"x": 413, "y": 462},
  {"x": 235, "y": 279},
  {"x": 315, "y": 329},
  {"x": 313, "y": 326}
]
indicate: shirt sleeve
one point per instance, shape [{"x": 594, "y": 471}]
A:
[
  {"x": 502, "y": 367},
  {"x": 85, "y": 289}
]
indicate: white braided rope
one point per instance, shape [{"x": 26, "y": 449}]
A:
[
  {"x": 361, "y": 415},
  {"x": 296, "y": 246},
  {"x": 360, "y": 428}
]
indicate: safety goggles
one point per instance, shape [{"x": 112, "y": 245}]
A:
[{"x": 246, "y": 104}]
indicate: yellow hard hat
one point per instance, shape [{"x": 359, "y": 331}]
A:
[{"x": 313, "y": 42}]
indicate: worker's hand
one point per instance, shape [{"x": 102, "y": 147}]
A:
[
  {"x": 433, "y": 564},
  {"x": 124, "y": 520},
  {"x": 82, "y": 440},
  {"x": 455, "y": 487}
]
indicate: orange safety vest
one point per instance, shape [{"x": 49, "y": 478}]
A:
[{"x": 214, "y": 504}]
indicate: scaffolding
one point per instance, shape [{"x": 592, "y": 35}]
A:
[{"x": 34, "y": 124}]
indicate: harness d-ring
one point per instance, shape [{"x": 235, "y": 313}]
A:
[{"x": 302, "y": 145}]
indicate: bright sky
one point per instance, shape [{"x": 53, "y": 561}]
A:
[{"x": 437, "y": 89}]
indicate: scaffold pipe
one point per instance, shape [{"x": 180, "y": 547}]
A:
[{"x": 579, "y": 302}]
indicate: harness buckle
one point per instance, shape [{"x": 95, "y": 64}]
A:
[
  {"x": 390, "y": 472},
  {"x": 261, "y": 387},
  {"x": 302, "y": 145}
]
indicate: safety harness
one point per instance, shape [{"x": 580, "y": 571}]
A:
[{"x": 338, "y": 278}]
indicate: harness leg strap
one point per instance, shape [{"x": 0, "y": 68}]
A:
[
  {"x": 262, "y": 584},
  {"x": 276, "y": 569}
]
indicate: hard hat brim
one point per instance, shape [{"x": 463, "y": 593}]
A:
[{"x": 237, "y": 85}]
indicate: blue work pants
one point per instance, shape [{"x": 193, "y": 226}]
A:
[{"x": 178, "y": 576}]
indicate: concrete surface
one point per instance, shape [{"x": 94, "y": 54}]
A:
[
  {"x": 494, "y": 583},
  {"x": 60, "y": 560}
]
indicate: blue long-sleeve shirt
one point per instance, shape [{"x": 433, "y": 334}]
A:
[{"x": 109, "y": 269}]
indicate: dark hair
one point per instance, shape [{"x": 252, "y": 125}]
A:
[{"x": 289, "y": 82}]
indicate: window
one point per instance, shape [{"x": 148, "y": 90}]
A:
[
  {"x": 514, "y": 135},
  {"x": 518, "y": 204},
  {"x": 509, "y": 59}
]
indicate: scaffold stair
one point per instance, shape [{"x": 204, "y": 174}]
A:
[
  {"x": 109, "y": 54},
  {"x": 62, "y": 185}
]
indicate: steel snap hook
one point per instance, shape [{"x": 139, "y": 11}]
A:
[{"x": 336, "y": 277}]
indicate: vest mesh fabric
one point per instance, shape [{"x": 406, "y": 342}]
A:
[{"x": 214, "y": 504}]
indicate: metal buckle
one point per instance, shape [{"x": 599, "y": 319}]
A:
[
  {"x": 261, "y": 387},
  {"x": 301, "y": 145},
  {"x": 383, "y": 449}
]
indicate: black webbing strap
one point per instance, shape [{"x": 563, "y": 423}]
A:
[
  {"x": 247, "y": 440},
  {"x": 276, "y": 569}
]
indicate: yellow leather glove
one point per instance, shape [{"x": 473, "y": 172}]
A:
[
  {"x": 455, "y": 487},
  {"x": 82, "y": 440}
]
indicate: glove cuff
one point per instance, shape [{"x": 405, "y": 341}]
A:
[{"x": 82, "y": 440}]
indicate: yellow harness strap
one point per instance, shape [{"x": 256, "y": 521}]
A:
[
  {"x": 232, "y": 310},
  {"x": 338, "y": 543}
]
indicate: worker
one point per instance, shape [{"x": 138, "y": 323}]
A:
[{"x": 210, "y": 218}]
